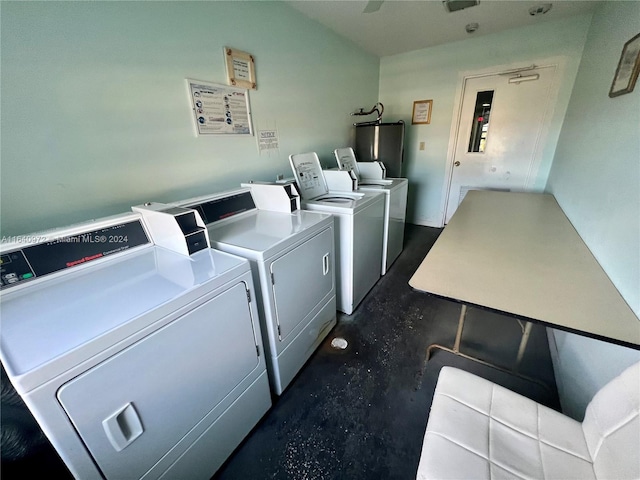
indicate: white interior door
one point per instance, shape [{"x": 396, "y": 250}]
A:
[{"x": 502, "y": 125}]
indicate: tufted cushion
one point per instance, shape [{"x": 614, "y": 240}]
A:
[
  {"x": 612, "y": 427},
  {"x": 477, "y": 429}
]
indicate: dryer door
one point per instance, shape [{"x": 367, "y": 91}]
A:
[
  {"x": 132, "y": 409},
  {"x": 302, "y": 278}
]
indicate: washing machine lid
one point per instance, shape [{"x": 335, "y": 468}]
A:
[
  {"x": 48, "y": 327},
  {"x": 267, "y": 231},
  {"x": 308, "y": 174},
  {"x": 313, "y": 186},
  {"x": 346, "y": 159}
]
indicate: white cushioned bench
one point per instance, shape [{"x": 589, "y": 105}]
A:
[{"x": 480, "y": 430}]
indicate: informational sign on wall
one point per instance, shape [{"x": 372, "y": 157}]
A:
[
  {"x": 268, "y": 140},
  {"x": 240, "y": 68},
  {"x": 267, "y": 137},
  {"x": 219, "y": 109}
]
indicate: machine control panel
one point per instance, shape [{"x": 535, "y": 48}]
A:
[
  {"x": 64, "y": 252},
  {"x": 14, "y": 268},
  {"x": 225, "y": 207}
]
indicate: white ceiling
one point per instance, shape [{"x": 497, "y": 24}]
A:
[{"x": 403, "y": 25}]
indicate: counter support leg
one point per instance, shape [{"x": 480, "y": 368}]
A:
[
  {"x": 526, "y": 332},
  {"x": 523, "y": 344}
]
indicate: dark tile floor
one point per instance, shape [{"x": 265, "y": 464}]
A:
[{"x": 360, "y": 413}]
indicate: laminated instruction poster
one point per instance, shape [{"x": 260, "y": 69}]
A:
[
  {"x": 308, "y": 175},
  {"x": 219, "y": 109}
]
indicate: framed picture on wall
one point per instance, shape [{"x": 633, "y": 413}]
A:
[
  {"x": 628, "y": 68},
  {"x": 241, "y": 71},
  {"x": 421, "y": 112}
]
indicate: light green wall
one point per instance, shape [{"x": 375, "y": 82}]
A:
[
  {"x": 596, "y": 178},
  {"x": 94, "y": 108},
  {"x": 436, "y": 72}
]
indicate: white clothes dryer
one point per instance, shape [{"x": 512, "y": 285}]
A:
[
  {"x": 136, "y": 361},
  {"x": 372, "y": 177},
  {"x": 359, "y": 218},
  {"x": 292, "y": 258}
]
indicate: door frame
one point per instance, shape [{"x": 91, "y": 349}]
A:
[{"x": 558, "y": 62}]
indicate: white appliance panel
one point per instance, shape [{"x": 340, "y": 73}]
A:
[
  {"x": 46, "y": 321},
  {"x": 359, "y": 222},
  {"x": 395, "y": 190},
  {"x": 292, "y": 260},
  {"x": 308, "y": 173},
  {"x": 139, "y": 338},
  {"x": 368, "y": 226},
  {"x": 344, "y": 263},
  {"x": 263, "y": 231},
  {"x": 302, "y": 344},
  {"x": 173, "y": 378},
  {"x": 301, "y": 279},
  {"x": 348, "y": 240},
  {"x": 397, "y": 217},
  {"x": 220, "y": 439}
]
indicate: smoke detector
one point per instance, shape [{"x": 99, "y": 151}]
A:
[
  {"x": 540, "y": 9},
  {"x": 471, "y": 27},
  {"x": 455, "y": 5}
]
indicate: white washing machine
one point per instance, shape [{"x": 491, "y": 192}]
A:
[
  {"x": 359, "y": 229},
  {"x": 136, "y": 361},
  {"x": 371, "y": 176},
  {"x": 292, "y": 257}
]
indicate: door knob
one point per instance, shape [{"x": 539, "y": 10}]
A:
[{"x": 456, "y": 163}]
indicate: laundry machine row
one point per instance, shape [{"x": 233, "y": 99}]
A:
[
  {"x": 111, "y": 326},
  {"x": 359, "y": 220},
  {"x": 136, "y": 347},
  {"x": 372, "y": 176}
]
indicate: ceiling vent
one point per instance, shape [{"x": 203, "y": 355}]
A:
[{"x": 455, "y": 5}]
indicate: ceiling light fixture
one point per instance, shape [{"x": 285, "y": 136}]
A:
[
  {"x": 455, "y": 5},
  {"x": 540, "y": 9}
]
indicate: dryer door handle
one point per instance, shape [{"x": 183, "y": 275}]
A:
[
  {"x": 325, "y": 264},
  {"x": 123, "y": 427}
]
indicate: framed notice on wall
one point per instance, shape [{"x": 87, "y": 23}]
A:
[
  {"x": 628, "y": 68},
  {"x": 219, "y": 109},
  {"x": 421, "y": 112},
  {"x": 241, "y": 70}
]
